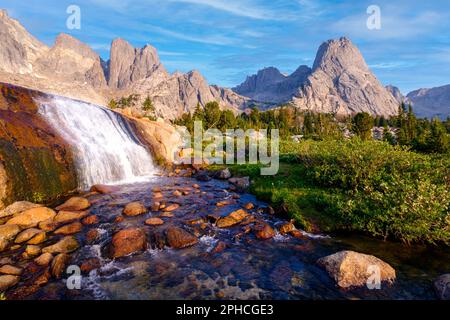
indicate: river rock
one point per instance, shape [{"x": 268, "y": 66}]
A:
[
  {"x": 90, "y": 264},
  {"x": 44, "y": 259},
  {"x": 179, "y": 238},
  {"x": 171, "y": 207},
  {"x": 8, "y": 232},
  {"x": 166, "y": 215},
  {"x": 154, "y": 222},
  {"x": 26, "y": 235},
  {"x": 32, "y": 217},
  {"x": 92, "y": 235},
  {"x": 7, "y": 282},
  {"x": 104, "y": 189},
  {"x": 74, "y": 204},
  {"x": 286, "y": 228},
  {"x": 223, "y": 174},
  {"x": 240, "y": 183},
  {"x": 263, "y": 231},
  {"x": 442, "y": 287},
  {"x": 220, "y": 246},
  {"x": 128, "y": 241},
  {"x": 155, "y": 206},
  {"x": 59, "y": 265},
  {"x": 17, "y": 208},
  {"x": 70, "y": 229},
  {"x": 90, "y": 220},
  {"x": 32, "y": 251},
  {"x": 202, "y": 176},
  {"x": 177, "y": 193},
  {"x": 65, "y": 245},
  {"x": 232, "y": 219},
  {"x": 224, "y": 203},
  {"x": 134, "y": 209},
  {"x": 38, "y": 239},
  {"x": 11, "y": 270},
  {"x": 353, "y": 269},
  {"x": 69, "y": 216}
]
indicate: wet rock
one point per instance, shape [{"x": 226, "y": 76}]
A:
[
  {"x": 195, "y": 186},
  {"x": 156, "y": 189},
  {"x": 70, "y": 216},
  {"x": 263, "y": 231},
  {"x": 92, "y": 235},
  {"x": 7, "y": 282},
  {"x": 74, "y": 204},
  {"x": 48, "y": 225},
  {"x": 31, "y": 218},
  {"x": 44, "y": 259},
  {"x": 232, "y": 219},
  {"x": 5, "y": 260},
  {"x": 171, "y": 207},
  {"x": 220, "y": 246},
  {"x": 128, "y": 241},
  {"x": 134, "y": 209},
  {"x": 155, "y": 206},
  {"x": 353, "y": 269},
  {"x": 286, "y": 228},
  {"x": 59, "y": 265},
  {"x": 177, "y": 193},
  {"x": 32, "y": 251},
  {"x": 11, "y": 270},
  {"x": 154, "y": 222},
  {"x": 90, "y": 264},
  {"x": 240, "y": 183},
  {"x": 65, "y": 245},
  {"x": 104, "y": 189},
  {"x": 90, "y": 220},
  {"x": 26, "y": 235},
  {"x": 3, "y": 245},
  {"x": 249, "y": 206},
  {"x": 8, "y": 232},
  {"x": 119, "y": 219},
  {"x": 179, "y": 238},
  {"x": 38, "y": 239},
  {"x": 298, "y": 234},
  {"x": 166, "y": 215},
  {"x": 72, "y": 228},
  {"x": 224, "y": 203},
  {"x": 17, "y": 208},
  {"x": 223, "y": 174},
  {"x": 158, "y": 195},
  {"x": 195, "y": 221},
  {"x": 202, "y": 176},
  {"x": 442, "y": 287}
]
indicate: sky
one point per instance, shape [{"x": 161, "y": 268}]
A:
[{"x": 226, "y": 40}]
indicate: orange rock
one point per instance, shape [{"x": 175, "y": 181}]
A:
[
  {"x": 171, "y": 207},
  {"x": 263, "y": 231},
  {"x": 127, "y": 242},
  {"x": 179, "y": 238},
  {"x": 249, "y": 206},
  {"x": 70, "y": 229},
  {"x": 232, "y": 219},
  {"x": 134, "y": 209},
  {"x": 74, "y": 204},
  {"x": 154, "y": 222},
  {"x": 90, "y": 220}
]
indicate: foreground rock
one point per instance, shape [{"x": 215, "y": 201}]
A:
[
  {"x": 17, "y": 208},
  {"x": 8, "y": 281},
  {"x": 32, "y": 217},
  {"x": 442, "y": 287},
  {"x": 263, "y": 231},
  {"x": 353, "y": 269},
  {"x": 179, "y": 238},
  {"x": 129, "y": 241},
  {"x": 232, "y": 219},
  {"x": 66, "y": 245},
  {"x": 74, "y": 204},
  {"x": 7, "y": 233},
  {"x": 134, "y": 209}
]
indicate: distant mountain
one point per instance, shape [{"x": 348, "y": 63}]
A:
[
  {"x": 340, "y": 82},
  {"x": 71, "y": 68},
  {"x": 430, "y": 103},
  {"x": 396, "y": 93}
]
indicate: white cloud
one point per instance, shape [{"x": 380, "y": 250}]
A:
[{"x": 207, "y": 39}]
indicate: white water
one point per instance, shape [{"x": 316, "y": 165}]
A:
[{"x": 106, "y": 149}]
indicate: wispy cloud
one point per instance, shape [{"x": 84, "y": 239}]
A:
[{"x": 218, "y": 39}]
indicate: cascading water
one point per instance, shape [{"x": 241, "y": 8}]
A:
[{"x": 106, "y": 149}]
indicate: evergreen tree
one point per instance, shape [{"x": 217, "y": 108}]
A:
[{"x": 362, "y": 125}]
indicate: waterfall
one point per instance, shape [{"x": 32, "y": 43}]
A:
[{"x": 106, "y": 149}]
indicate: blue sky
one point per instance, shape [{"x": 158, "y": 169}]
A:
[{"x": 228, "y": 39}]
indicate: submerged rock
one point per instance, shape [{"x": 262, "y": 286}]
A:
[
  {"x": 32, "y": 217},
  {"x": 263, "y": 231},
  {"x": 134, "y": 209},
  {"x": 442, "y": 287},
  {"x": 179, "y": 238},
  {"x": 128, "y": 241},
  {"x": 353, "y": 269},
  {"x": 74, "y": 204}
]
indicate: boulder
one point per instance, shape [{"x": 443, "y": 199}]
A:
[
  {"x": 263, "y": 231},
  {"x": 442, "y": 286},
  {"x": 203, "y": 176},
  {"x": 59, "y": 265},
  {"x": 179, "y": 238},
  {"x": 65, "y": 245},
  {"x": 134, "y": 209},
  {"x": 44, "y": 259},
  {"x": 223, "y": 174},
  {"x": 7, "y": 282},
  {"x": 104, "y": 189},
  {"x": 32, "y": 217},
  {"x": 70, "y": 229},
  {"x": 17, "y": 208},
  {"x": 154, "y": 222},
  {"x": 11, "y": 270},
  {"x": 74, "y": 204},
  {"x": 353, "y": 269},
  {"x": 8, "y": 232},
  {"x": 128, "y": 241},
  {"x": 232, "y": 219},
  {"x": 26, "y": 235},
  {"x": 69, "y": 216},
  {"x": 240, "y": 183}
]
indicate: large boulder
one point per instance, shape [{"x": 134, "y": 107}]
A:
[
  {"x": 74, "y": 204},
  {"x": 442, "y": 286},
  {"x": 32, "y": 217},
  {"x": 353, "y": 269},
  {"x": 128, "y": 241}
]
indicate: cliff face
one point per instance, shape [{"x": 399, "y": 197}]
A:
[{"x": 35, "y": 164}]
